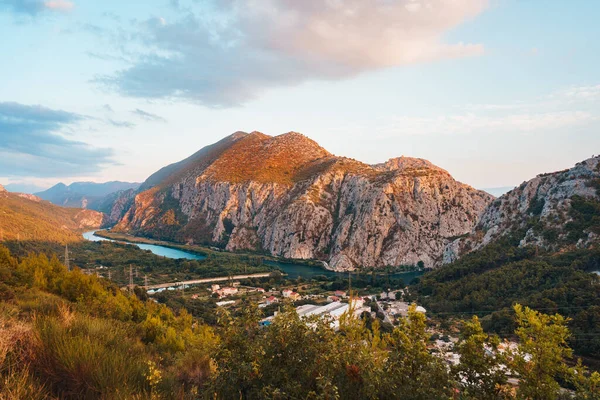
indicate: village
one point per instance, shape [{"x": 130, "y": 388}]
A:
[{"x": 311, "y": 299}]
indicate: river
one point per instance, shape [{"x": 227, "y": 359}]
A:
[{"x": 293, "y": 271}]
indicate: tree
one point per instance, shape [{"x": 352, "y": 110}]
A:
[
  {"x": 543, "y": 348},
  {"x": 411, "y": 371},
  {"x": 480, "y": 372}
]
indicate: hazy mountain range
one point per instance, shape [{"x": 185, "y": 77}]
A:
[{"x": 84, "y": 194}]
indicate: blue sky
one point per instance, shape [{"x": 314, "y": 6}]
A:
[{"x": 493, "y": 91}]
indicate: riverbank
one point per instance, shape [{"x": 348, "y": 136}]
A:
[
  {"x": 306, "y": 269},
  {"x": 206, "y": 251}
]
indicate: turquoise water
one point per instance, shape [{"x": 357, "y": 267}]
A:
[
  {"x": 158, "y": 250},
  {"x": 293, "y": 271}
]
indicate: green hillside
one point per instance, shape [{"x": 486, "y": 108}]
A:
[{"x": 26, "y": 217}]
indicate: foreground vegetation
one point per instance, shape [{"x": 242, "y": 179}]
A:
[{"x": 64, "y": 334}]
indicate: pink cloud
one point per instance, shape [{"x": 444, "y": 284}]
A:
[{"x": 59, "y": 5}]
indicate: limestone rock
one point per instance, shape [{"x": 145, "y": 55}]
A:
[
  {"x": 291, "y": 198},
  {"x": 545, "y": 200}
]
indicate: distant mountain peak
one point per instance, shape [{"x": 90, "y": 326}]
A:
[{"x": 83, "y": 194}]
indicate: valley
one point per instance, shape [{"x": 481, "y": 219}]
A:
[{"x": 220, "y": 246}]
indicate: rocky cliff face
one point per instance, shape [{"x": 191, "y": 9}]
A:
[
  {"x": 289, "y": 197},
  {"x": 552, "y": 211},
  {"x": 115, "y": 205}
]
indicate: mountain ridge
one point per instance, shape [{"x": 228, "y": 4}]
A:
[
  {"x": 288, "y": 196},
  {"x": 554, "y": 211},
  {"x": 27, "y": 217},
  {"x": 84, "y": 194}
]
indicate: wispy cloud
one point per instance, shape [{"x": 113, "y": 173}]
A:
[
  {"x": 148, "y": 116},
  {"x": 580, "y": 93},
  {"x": 34, "y": 7},
  {"x": 477, "y": 123},
  {"x": 31, "y": 143},
  {"x": 120, "y": 124},
  {"x": 248, "y": 46}
]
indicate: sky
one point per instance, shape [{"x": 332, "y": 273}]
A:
[{"x": 494, "y": 91}]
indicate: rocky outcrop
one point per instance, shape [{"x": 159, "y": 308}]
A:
[
  {"x": 88, "y": 219},
  {"x": 28, "y": 196},
  {"x": 540, "y": 212},
  {"x": 289, "y": 197},
  {"x": 115, "y": 205},
  {"x": 2, "y": 190}
]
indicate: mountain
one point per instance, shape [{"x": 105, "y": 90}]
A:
[
  {"x": 84, "y": 194},
  {"x": 23, "y": 188},
  {"x": 115, "y": 205},
  {"x": 289, "y": 197},
  {"x": 27, "y": 217},
  {"x": 553, "y": 211}
]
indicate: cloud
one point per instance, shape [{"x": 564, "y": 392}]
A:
[
  {"x": 120, "y": 124},
  {"x": 32, "y": 146},
  {"x": 233, "y": 50},
  {"x": 34, "y": 7},
  {"x": 469, "y": 123},
  {"x": 148, "y": 116},
  {"x": 588, "y": 93},
  {"x": 59, "y": 5}
]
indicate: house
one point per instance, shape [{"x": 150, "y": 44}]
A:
[
  {"x": 225, "y": 303},
  {"x": 340, "y": 293},
  {"x": 226, "y": 291},
  {"x": 272, "y": 300},
  {"x": 332, "y": 299},
  {"x": 214, "y": 288},
  {"x": 294, "y": 296},
  {"x": 286, "y": 292},
  {"x": 261, "y": 290}
]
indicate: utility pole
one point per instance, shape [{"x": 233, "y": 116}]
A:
[
  {"x": 67, "y": 262},
  {"x": 130, "y": 278},
  {"x": 146, "y": 282},
  {"x": 136, "y": 272},
  {"x": 109, "y": 275}
]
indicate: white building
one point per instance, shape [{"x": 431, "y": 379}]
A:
[{"x": 332, "y": 310}]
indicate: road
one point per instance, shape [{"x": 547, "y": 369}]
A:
[
  {"x": 386, "y": 318},
  {"x": 208, "y": 280}
]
